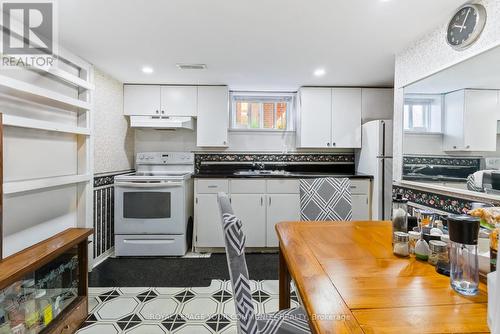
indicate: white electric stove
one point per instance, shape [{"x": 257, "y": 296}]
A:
[{"x": 154, "y": 205}]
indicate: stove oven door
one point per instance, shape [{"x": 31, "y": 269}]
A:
[{"x": 156, "y": 207}]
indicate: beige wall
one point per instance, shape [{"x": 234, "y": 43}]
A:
[{"x": 113, "y": 140}]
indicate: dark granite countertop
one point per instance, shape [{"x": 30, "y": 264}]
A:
[{"x": 289, "y": 175}]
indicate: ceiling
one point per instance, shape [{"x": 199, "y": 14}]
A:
[
  {"x": 248, "y": 44},
  {"x": 480, "y": 72}
]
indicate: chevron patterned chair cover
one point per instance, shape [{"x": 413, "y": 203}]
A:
[
  {"x": 289, "y": 321},
  {"x": 326, "y": 198}
]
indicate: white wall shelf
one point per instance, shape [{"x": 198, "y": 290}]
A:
[
  {"x": 14, "y": 187},
  {"x": 69, "y": 78},
  {"x": 22, "y": 122},
  {"x": 40, "y": 95}
]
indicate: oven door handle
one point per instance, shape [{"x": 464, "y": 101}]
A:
[{"x": 148, "y": 184}]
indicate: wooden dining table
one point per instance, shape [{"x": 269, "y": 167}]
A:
[{"x": 349, "y": 281}]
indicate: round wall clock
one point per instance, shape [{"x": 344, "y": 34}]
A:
[{"x": 466, "y": 26}]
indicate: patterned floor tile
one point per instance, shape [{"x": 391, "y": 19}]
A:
[
  {"x": 158, "y": 309},
  {"x": 147, "y": 329},
  {"x": 200, "y": 308},
  {"x": 167, "y": 310},
  {"x": 117, "y": 308}
]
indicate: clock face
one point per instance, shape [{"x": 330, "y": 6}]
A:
[{"x": 466, "y": 26}]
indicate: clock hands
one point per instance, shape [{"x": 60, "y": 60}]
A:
[{"x": 465, "y": 20}]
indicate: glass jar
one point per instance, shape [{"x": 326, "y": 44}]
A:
[
  {"x": 494, "y": 236},
  {"x": 439, "y": 252},
  {"x": 413, "y": 238},
  {"x": 426, "y": 219},
  {"x": 401, "y": 244},
  {"x": 399, "y": 214},
  {"x": 464, "y": 262}
]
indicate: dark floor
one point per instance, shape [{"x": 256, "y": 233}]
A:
[{"x": 177, "y": 272}]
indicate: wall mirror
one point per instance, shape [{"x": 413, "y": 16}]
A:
[{"x": 451, "y": 128}]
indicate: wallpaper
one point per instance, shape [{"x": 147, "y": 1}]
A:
[{"x": 113, "y": 139}]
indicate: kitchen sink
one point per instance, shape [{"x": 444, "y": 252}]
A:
[{"x": 261, "y": 172}]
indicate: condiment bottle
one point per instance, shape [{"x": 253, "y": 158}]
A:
[
  {"x": 422, "y": 250},
  {"x": 401, "y": 247},
  {"x": 413, "y": 239},
  {"x": 464, "y": 262},
  {"x": 399, "y": 214}
]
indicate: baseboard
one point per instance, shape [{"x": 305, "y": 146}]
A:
[{"x": 101, "y": 258}]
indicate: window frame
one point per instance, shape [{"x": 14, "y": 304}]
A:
[
  {"x": 427, "y": 105},
  {"x": 261, "y": 98}
]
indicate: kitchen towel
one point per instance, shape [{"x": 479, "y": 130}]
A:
[{"x": 326, "y": 198}]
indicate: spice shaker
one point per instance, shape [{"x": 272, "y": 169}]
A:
[
  {"x": 439, "y": 252},
  {"x": 401, "y": 247},
  {"x": 464, "y": 263}
]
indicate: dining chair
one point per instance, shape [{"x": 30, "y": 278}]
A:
[
  {"x": 289, "y": 321},
  {"x": 327, "y": 198}
]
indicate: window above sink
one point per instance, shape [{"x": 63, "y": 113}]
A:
[{"x": 262, "y": 111}]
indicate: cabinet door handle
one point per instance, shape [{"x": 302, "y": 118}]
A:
[
  {"x": 157, "y": 112},
  {"x": 269, "y": 200},
  {"x": 261, "y": 200},
  {"x": 328, "y": 144},
  {"x": 333, "y": 144},
  {"x": 163, "y": 111},
  {"x": 454, "y": 147},
  {"x": 224, "y": 142},
  {"x": 468, "y": 146}
]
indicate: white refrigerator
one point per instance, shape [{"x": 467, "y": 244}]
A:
[{"x": 375, "y": 158}]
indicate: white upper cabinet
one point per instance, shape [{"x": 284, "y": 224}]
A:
[
  {"x": 314, "y": 117},
  {"x": 470, "y": 120},
  {"x": 179, "y": 100},
  {"x": 141, "y": 100},
  {"x": 346, "y": 118},
  {"x": 154, "y": 100},
  {"x": 329, "y": 118},
  {"x": 213, "y": 116}
]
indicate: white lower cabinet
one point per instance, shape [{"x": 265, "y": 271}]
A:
[
  {"x": 251, "y": 209},
  {"x": 260, "y": 204},
  {"x": 360, "y": 207},
  {"x": 280, "y": 207},
  {"x": 208, "y": 221}
]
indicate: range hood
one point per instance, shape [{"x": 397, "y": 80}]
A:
[{"x": 161, "y": 122}]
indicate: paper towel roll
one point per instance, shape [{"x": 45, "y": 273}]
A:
[
  {"x": 492, "y": 300},
  {"x": 496, "y": 319}
]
